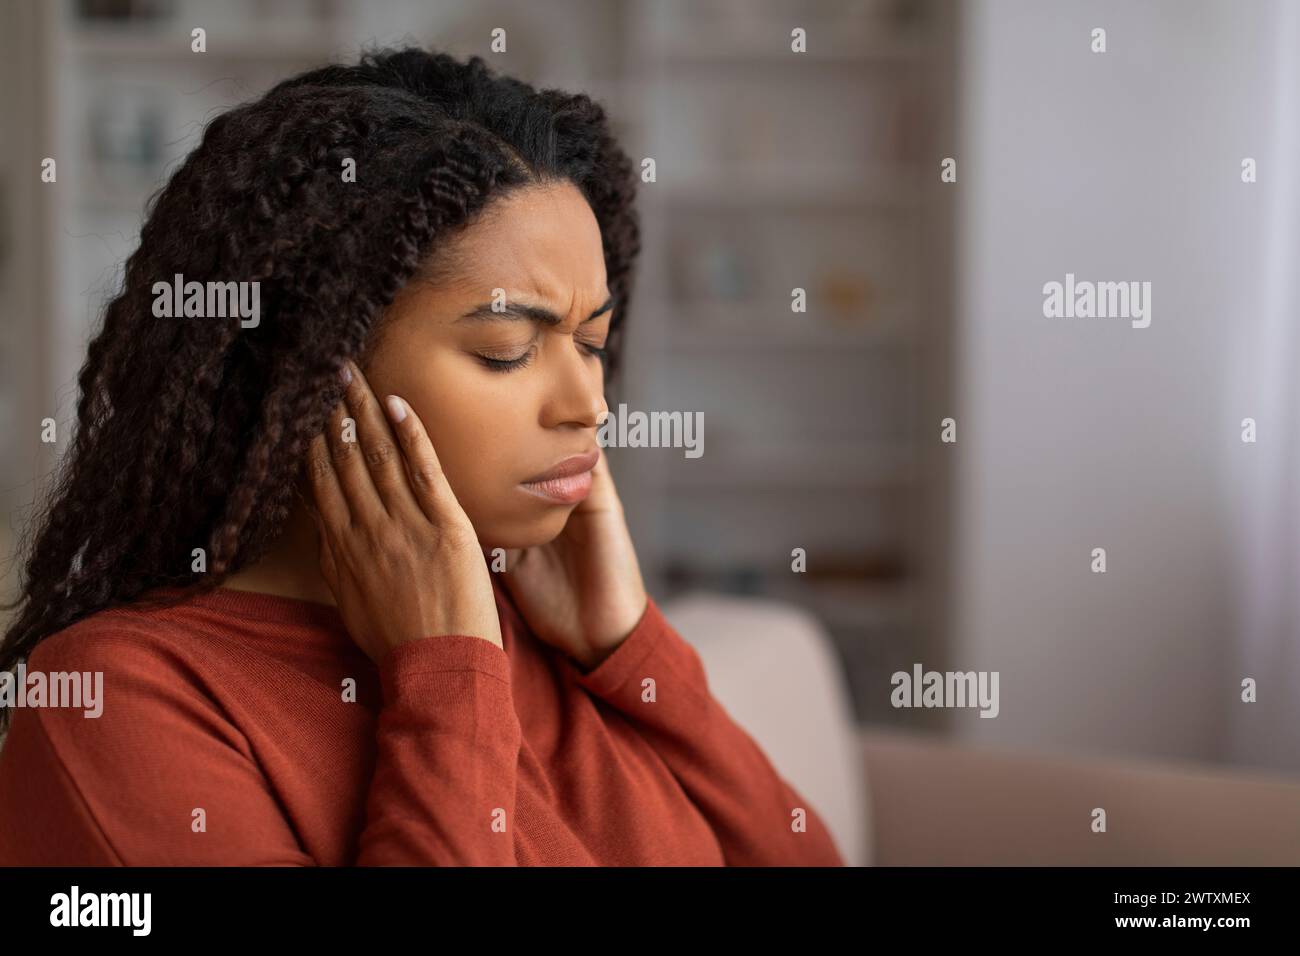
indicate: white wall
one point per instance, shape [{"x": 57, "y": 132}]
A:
[{"x": 1082, "y": 433}]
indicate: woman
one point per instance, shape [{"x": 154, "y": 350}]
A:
[{"x": 355, "y": 573}]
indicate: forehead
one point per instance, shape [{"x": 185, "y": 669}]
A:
[{"x": 539, "y": 239}]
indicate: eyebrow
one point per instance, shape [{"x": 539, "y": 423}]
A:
[{"x": 525, "y": 313}]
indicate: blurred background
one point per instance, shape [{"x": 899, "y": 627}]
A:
[{"x": 924, "y": 301}]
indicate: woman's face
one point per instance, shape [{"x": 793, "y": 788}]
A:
[{"x": 505, "y": 396}]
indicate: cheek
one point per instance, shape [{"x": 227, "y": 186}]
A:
[
  {"x": 484, "y": 427},
  {"x": 480, "y": 430}
]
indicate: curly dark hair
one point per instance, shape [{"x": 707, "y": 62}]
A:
[{"x": 191, "y": 432}]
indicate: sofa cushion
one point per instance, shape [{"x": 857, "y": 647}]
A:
[{"x": 774, "y": 669}]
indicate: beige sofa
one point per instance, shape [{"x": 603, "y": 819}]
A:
[{"x": 897, "y": 799}]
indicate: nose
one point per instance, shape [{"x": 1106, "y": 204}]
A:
[{"x": 575, "y": 388}]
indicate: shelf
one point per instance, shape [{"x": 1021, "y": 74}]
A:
[
  {"x": 733, "y": 326},
  {"x": 862, "y": 603},
  {"x": 839, "y": 189},
  {"x": 859, "y": 605},
  {"x": 758, "y": 337},
  {"x": 707, "y": 48},
  {"x": 817, "y": 465},
  {"x": 136, "y": 44}
]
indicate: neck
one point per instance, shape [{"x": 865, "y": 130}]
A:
[{"x": 290, "y": 568}]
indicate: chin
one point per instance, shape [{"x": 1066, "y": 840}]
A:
[{"x": 538, "y": 529}]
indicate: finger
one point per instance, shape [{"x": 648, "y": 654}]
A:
[
  {"x": 326, "y": 493},
  {"x": 379, "y": 447},
  {"x": 363, "y": 501},
  {"x": 603, "y": 495},
  {"x": 325, "y": 552},
  {"x": 428, "y": 482}
]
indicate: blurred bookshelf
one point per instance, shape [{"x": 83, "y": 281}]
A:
[{"x": 816, "y": 170}]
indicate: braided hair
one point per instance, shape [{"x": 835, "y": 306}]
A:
[{"x": 191, "y": 432}]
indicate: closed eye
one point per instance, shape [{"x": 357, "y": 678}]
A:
[{"x": 507, "y": 365}]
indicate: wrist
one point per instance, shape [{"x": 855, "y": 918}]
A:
[
  {"x": 595, "y": 652},
  {"x": 592, "y": 655}
]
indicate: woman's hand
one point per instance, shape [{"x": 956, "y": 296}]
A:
[
  {"x": 396, "y": 548},
  {"x": 582, "y": 592}
]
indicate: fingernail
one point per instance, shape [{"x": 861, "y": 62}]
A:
[
  {"x": 396, "y": 408},
  {"x": 345, "y": 373}
]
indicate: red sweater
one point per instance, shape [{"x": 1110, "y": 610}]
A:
[{"x": 227, "y": 737}]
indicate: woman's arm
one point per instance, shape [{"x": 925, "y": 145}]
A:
[
  {"x": 443, "y": 790},
  {"x": 124, "y": 788},
  {"x": 759, "y": 818}
]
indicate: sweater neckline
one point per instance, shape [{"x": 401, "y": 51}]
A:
[
  {"x": 279, "y": 609},
  {"x": 271, "y": 607},
  {"x": 262, "y": 606}
]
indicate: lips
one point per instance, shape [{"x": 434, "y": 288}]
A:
[
  {"x": 567, "y": 482},
  {"x": 574, "y": 465}
]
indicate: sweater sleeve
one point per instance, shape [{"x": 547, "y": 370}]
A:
[
  {"x": 163, "y": 778},
  {"x": 758, "y": 817},
  {"x": 443, "y": 790}
]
